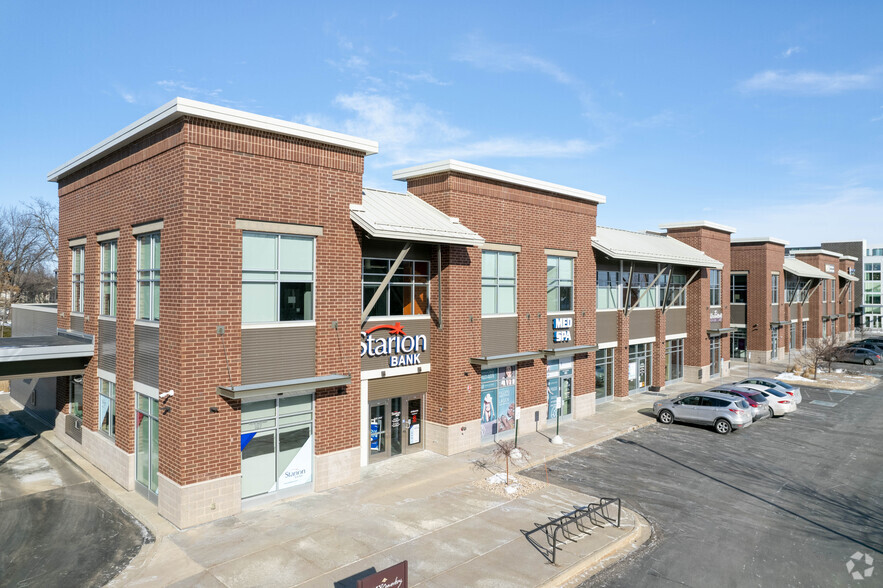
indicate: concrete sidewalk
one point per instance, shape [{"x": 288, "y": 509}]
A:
[{"x": 437, "y": 512}]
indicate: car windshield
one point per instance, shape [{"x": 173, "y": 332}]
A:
[
  {"x": 773, "y": 392},
  {"x": 783, "y": 385},
  {"x": 758, "y": 397}
]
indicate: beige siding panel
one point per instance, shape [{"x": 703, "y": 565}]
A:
[
  {"x": 278, "y": 354},
  {"x": 606, "y": 324},
  {"x": 499, "y": 335},
  {"x": 775, "y": 314},
  {"x": 737, "y": 314},
  {"x": 397, "y": 386},
  {"x": 676, "y": 321},
  {"x": 642, "y": 323}
]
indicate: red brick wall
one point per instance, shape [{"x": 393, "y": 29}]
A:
[
  {"x": 760, "y": 260},
  {"x": 818, "y": 309},
  {"x": 512, "y": 215}
]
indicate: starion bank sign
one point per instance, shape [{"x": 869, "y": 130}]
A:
[{"x": 401, "y": 348}]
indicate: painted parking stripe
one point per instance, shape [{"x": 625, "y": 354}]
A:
[
  {"x": 823, "y": 403},
  {"x": 843, "y": 391}
]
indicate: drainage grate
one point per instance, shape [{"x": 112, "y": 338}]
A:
[{"x": 823, "y": 403}]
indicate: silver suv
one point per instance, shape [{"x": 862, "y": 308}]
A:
[{"x": 724, "y": 411}]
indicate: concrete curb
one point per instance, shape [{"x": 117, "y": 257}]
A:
[{"x": 604, "y": 557}]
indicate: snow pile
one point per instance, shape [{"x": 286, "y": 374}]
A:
[{"x": 792, "y": 377}]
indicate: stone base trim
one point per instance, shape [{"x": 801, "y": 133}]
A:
[
  {"x": 584, "y": 405},
  {"x": 194, "y": 504},
  {"x": 101, "y": 452},
  {"x": 336, "y": 469},
  {"x": 691, "y": 373},
  {"x": 452, "y": 439}
]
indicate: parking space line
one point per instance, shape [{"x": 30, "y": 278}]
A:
[
  {"x": 843, "y": 391},
  {"x": 823, "y": 403}
]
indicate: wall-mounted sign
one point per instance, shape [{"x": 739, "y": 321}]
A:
[
  {"x": 561, "y": 327},
  {"x": 829, "y": 267},
  {"x": 716, "y": 316},
  {"x": 401, "y": 348}
]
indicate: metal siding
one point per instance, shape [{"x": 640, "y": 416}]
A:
[
  {"x": 277, "y": 354},
  {"x": 738, "y": 314},
  {"x": 606, "y": 325},
  {"x": 33, "y": 323},
  {"x": 676, "y": 321},
  {"x": 642, "y": 324},
  {"x": 107, "y": 345},
  {"x": 77, "y": 323},
  {"x": 499, "y": 335},
  {"x": 397, "y": 386},
  {"x": 411, "y": 328},
  {"x": 147, "y": 355}
]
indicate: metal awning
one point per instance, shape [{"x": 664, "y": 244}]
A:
[
  {"x": 653, "y": 248},
  {"x": 779, "y": 323},
  {"x": 506, "y": 359},
  {"x": 846, "y": 276},
  {"x": 298, "y": 387},
  {"x": 804, "y": 270},
  {"x": 64, "y": 354},
  {"x": 405, "y": 217},
  {"x": 722, "y": 331},
  {"x": 568, "y": 351}
]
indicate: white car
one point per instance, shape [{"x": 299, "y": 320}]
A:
[
  {"x": 792, "y": 391},
  {"x": 781, "y": 403}
]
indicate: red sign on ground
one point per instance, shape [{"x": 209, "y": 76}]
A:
[{"x": 392, "y": 577}]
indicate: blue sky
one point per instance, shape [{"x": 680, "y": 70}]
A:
[{"x": 766, "y": 116}]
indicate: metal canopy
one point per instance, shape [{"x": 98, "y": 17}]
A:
[
  {"x": 298, "y": 387},
  {"x": 804, "y": 270},
  {"x": 64, "y": 354},
  {"x": 723, "y": 331},
  {"x": 507, "y": 359},
  {"x": 652, "y": 248},
  {"x": 846, "y": 276},
  {"x": 568, "y": 351}
]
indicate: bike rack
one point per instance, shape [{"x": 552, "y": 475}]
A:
[{"x": 594, "y": 511}]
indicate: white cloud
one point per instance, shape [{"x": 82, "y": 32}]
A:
[
  {"x": 125, "y": 94},
  {"x": 189, "y": 90},
  {"x": 808, "y": 82},
  {"x": 497, "y": 57},
  {"x": 422, "y": 76},
  {"x": 791, "y": 51}
]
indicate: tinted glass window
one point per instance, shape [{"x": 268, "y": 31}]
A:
[
  {"x": 772, "y": 392},
  {"x": 690, "y": 400},
  {"x": 705, "y": 401},
  {"x": 757, "y": 397},
  {"x": 742, "y": 404}
]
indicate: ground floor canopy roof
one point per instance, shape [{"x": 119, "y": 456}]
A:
[{"x": 64, "y": 354}]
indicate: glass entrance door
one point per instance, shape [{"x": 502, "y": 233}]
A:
[
  {"x": 559, "y": 385},
  {"x": 395, "y": 426},
  {"x": 147, "y": 445},
  {"x": 414, "y": 424},
  {"x": 378, "y": 444}
]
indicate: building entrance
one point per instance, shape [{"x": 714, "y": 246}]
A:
[{"x": 395, "y": 427}]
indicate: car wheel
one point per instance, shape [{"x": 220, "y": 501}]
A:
[
  {"x": 770, "y": 409},
  {"x": 869, "y": 361},
  {"x": 722, "y": 426},
  {"x": 666, "y": 417}
]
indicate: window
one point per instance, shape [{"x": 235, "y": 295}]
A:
[
  {"x": 109, "y": 278},
  {"x": 277, "y": 278},
  {"x": 793, "y": 336},
  {"x": 497, "y": 282},
  {"x": 715, "y": 351},
  {"x": 75, "y": 396},
  {"x": 106, "y": 406},
  {"x": 738, "y": 288},
  {"x": 737, "y": 343},
  {"x": 607, "y": 285},
  {"x": 774, "y": 349},
  {"x": 774, "y": 294},
  {"x": 640, "y": 294},
  {"x": 603, "y": 374},
  {"x": 825, "y": 291},
  {"x": 850, "y": 291},
  {"x": 803, "y": 334},
  {"x": 872, "y": 299},
  {"x": 677, "y": 293},
  {"x": 559, "y": 283},
  {"x": 674, "y": 356},
  {"x": 714, "y": 285},
  {"x": 498, "y": 400},
  {"x": 640, "y": 365},
  {"x": 407, "y": 292},
  {"x": 792, "y": 285},
  {"x": 148, "y": 277},
  {"x": 872, "y": 272},
  {"x": 78, "y": 275}
]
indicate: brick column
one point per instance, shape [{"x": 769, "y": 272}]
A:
[
  {"x": 659, "y": 357},
  {"x": 621, "y": 357}
]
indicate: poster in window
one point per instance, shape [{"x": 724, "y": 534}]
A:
[
  {"x": 488, "y": 412},
  {"x": 506, "y": 401},
  {"x": 552, "y": 393}
]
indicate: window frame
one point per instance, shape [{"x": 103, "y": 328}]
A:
[
  {"x": 734, "y": 289},
  {"x": 111, "y": 410},
  {"x": 149, "y": 276},
  {"x": 714, "y": 286},
  {"x": 774, "y": 288},
  {"x": 558, "y": 283},
  {"x": 411, "y": 280},
  {"x": 108, "y": 278},
  {"x": 494, "y": 282},
  {"x": 78, "y": 279},
  {"x": 278, "y": 279}
]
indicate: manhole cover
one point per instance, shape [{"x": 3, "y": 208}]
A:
[{"x": 823, "y": 403}]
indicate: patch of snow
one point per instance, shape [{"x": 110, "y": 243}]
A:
[
  {"x": 497, "y": 479},
  {"x": 511, "y": 489},
  {"x": 792, "y": 377}
]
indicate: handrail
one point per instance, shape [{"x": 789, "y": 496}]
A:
[{"x": 575, "y": 517}]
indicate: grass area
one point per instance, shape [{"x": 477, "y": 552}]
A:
[{"x": 5, "y": 331}]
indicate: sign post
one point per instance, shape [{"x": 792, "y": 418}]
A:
[{"x": 517, "y": 418}]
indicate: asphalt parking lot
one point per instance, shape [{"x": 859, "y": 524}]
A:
[
  {"x": 56, "y": 527},
  {"x": 786, "y": 502}
]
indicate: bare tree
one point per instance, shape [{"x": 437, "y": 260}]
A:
[
  {"x": 506, "y": 450},
  {"x": 820, "y": 351},
  {"x": 24, "y": 253},
  {"x": 44, "y": 218}
]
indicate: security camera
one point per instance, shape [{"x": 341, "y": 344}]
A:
[{"x": 167, "y": 394}]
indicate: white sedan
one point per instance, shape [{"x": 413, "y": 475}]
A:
[{"x": 780, "y": 402}]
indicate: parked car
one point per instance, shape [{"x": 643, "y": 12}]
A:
[
  {"x": 793, "y": 391},
  {"x": 780, "y": 402},
  {"x": 759, "y": 404},
  {"x": 873, "y": 346},
  {"x": 724, "y": 412},
  {"x": 857, "y": 355}
]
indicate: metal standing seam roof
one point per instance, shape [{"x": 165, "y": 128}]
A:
[
  {"x": 845, "y": 275},
  {"x": 804, "y": 270},
  {"x": 405, "y": 217},
  {"x": 622, "y": 244}
]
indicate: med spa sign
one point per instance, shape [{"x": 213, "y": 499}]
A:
[{"x": 392, "y": 344}]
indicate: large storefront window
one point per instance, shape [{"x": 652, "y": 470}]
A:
[
  {"x": 603, "y": 375},
  {"x": 774, "y": 348},
  {"x": 147, "y": 443},
  {"x": 559, "y": 283},
  {"x": 498, "y": 400},
  {"x": 674, "y": 360},
  {"x": 559, "y": 387},
  {"x": 737, "y": 343},
  {"x": 497, "y": 282},
  {"x": 277, "y": 278},
  {"x": 407, "y": 292},
  {"x": 793, "y": 334},
  {"x": 276, "y": 444},
  {"x": 640, "y": 366},
  {"x": 715, "y": 351}
]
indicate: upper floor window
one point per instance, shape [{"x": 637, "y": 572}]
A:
[
  {"x": 608, "y": 283},
  {"x": 738, "y": 288},
  {"x": 774, "y": 294},
  {"x": 148, "y": 277},
  {"x": 714, "y": 286},
  {"x": 497, "y": 282},
  {"x": 825, "y": 291},
  {"x": 676, "y": 294},
  {"x": 559, "y": 283},
  {"x": 872, "y": 272},
  {"x": 639, "y": 293},
  {"x": 277, "y": 278},
  {"x": 407, "y": 292},
  {"x": 78, "y": 278},
  {"x": 109, "y": 278}
]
